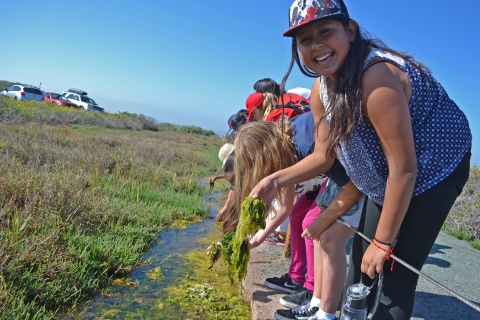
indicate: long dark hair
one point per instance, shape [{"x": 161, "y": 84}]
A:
[{"x": 345, "y": 92}]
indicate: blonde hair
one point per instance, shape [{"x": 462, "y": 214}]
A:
[
  {"x": 269, "y": 103},
  {"x": 261, "y": 149}
]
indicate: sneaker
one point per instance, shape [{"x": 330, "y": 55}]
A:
[
  {"x": 291, "y": 313},
  {"x": 284, "y": 283},
  {"x": 308, "y": 314},
  {"x": 296, "y": 299},
  {"x": 275, "y": 239},
  {"x": 315, "y": 317}
]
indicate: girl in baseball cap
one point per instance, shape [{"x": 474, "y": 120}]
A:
[{"x": 401, "y": 139}]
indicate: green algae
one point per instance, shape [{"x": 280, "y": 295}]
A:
[
  {"x": 203, "y": 301},
  {"x": 206, "y": 293},
  {"x": 183, "y": 224},
  {"x": 155, "y": 274},
  {"x": 252, "y": 217}
]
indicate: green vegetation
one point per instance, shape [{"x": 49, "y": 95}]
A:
[
  {"x": 206, "y": 302},
  {"x": 164, "y": 126},
  {"x": 205, "y": 294},
  {"x": 13, "y": 111},
  {"x": 79, "y": 205},
  {"x": 252, "y": 218},
  {"x": 5, "y": 84},
  {"x": 463, "y": 221}
]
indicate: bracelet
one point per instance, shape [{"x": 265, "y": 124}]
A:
[
  {"x": 381, "y": 242},
  {"x": 389, "y": 252}
]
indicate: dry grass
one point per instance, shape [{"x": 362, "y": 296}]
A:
[{"x": 464, "y": 219}]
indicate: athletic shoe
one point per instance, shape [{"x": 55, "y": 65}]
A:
[
  {"x": 284, "y": 283},
  {"x": 291, "y": 313},
  {"x": 275, "y": 239},
  {"x": 315, "y": 317},
  {"x": 296, "y": 299},
  {"x": 308, "y": 314}
]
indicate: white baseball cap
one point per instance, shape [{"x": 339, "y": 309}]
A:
[{"x": 225, "y": 151}]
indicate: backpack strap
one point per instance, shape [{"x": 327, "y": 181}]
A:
[{"x": 292, "y": 106}]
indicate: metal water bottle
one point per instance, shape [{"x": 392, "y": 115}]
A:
[{"x": 355, "y": 303}]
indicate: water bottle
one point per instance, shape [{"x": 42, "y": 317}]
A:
[{"x": 355, "y": 303}]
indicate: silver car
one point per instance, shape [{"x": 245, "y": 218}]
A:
[{"x": 23, "y": 92}]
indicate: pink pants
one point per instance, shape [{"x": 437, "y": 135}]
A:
[{"x": 301, "y": 261}]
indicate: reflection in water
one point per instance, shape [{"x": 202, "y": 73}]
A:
[{"x": 144, "y": 294}]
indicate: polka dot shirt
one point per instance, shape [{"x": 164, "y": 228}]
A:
[{"x": 441, "y": 134}]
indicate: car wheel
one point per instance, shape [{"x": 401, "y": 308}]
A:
[{"x": 14, "y": 98}]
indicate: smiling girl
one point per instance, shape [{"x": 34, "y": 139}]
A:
[{"x": 403, "y": 142}]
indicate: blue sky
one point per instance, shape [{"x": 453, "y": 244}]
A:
[{"x": 195, "y": 62}]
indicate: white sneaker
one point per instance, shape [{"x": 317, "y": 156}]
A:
[{"x": 315, "y": 317}]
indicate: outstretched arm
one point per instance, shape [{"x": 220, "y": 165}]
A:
[
  {"x": 308, "y": 168},
  {"x": 213, "y": 179}
]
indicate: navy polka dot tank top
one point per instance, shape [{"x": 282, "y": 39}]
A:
[{"x": 441, "y": 134}]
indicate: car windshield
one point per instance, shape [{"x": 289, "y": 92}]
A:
[
  {"x": 88, "y": 100},
  {"x": 63, "y": 98},
  {"x": 32, "y": 90},
  {"x": 55, "y": 96}
]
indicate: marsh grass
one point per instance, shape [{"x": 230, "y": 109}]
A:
[{"x": 79, "y": 205}]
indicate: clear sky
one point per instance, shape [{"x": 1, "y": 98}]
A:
[{"x": 195, "y": 62}]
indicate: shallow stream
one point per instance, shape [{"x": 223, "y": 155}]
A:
[{"x": 144, "y": 294}]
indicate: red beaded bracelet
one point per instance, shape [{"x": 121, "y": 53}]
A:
[{"x": 389, "y": 252}]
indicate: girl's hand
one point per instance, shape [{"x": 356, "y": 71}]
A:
[
  {"x": 266, "y": 189},
  {"x": 254, "y": 241},
  {"x": 221, "y": 213},
  {"x": 373, "y": 259},
  {"x": 217, "y": 257},
  {"x": 312, "y": 232}
]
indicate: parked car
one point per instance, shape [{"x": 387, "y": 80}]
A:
[
  {"x": 23, "y": 92},
  {"x": 81, "y": 100},
  {"x": 58, "y": 99}
]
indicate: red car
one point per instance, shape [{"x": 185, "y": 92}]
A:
[{"x": 58, "y": 99}]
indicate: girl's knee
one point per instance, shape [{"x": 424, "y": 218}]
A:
[{"x": 328, "y": 241}]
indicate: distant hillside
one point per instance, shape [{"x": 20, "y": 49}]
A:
[{"x": 5, "y": 84}]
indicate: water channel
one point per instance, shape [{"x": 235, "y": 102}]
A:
[{"x": 144, "y": 294}]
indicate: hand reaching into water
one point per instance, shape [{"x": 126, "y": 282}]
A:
[
  {"x": 214, "y": 252},
  {"x": 221, "y": 213}
]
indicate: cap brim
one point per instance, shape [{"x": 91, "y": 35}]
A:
[{"x": 291, "y": 32}]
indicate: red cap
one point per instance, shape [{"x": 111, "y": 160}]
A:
[{"x": 253, "y": 102}]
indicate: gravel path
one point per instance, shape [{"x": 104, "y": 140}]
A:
[{"x": 452, "y": 262}]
